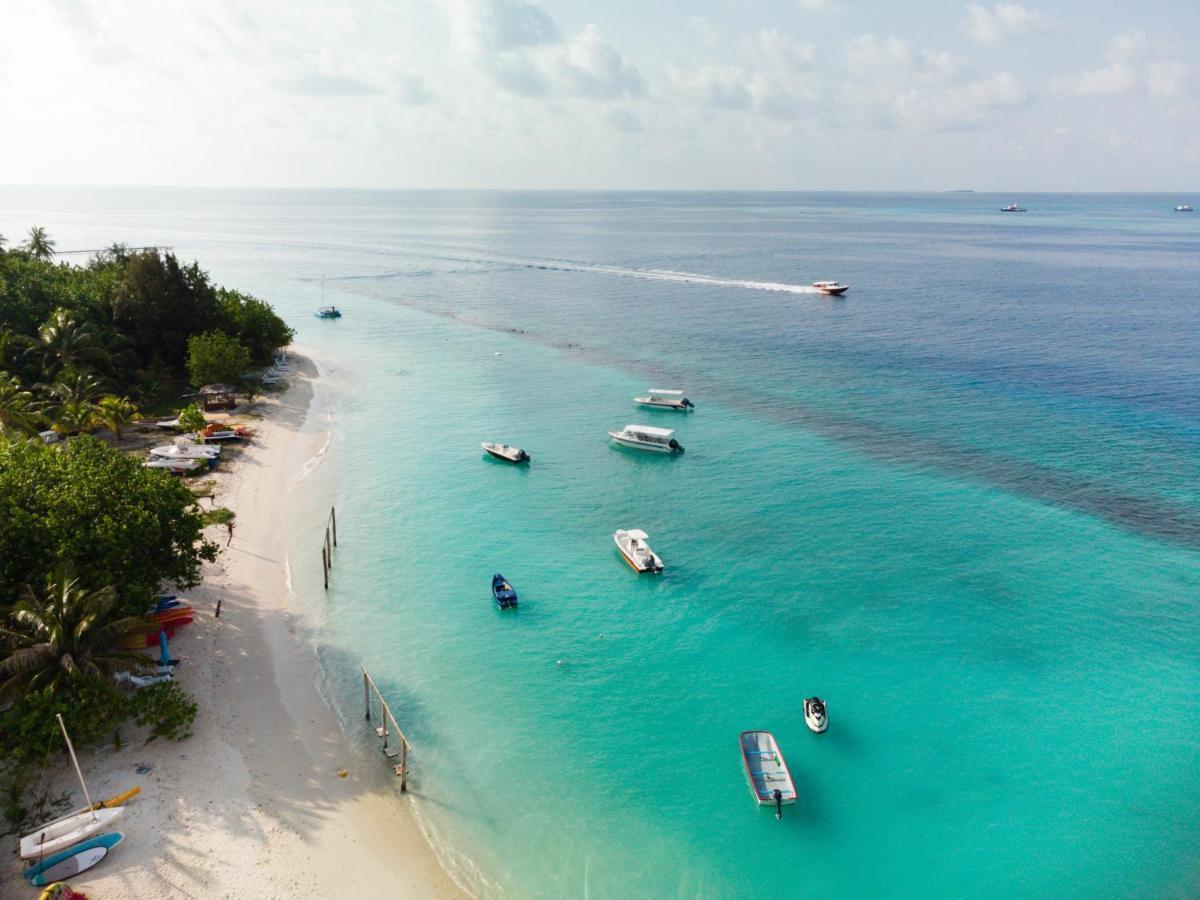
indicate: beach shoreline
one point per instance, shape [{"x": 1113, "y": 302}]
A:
[{"x": 253, "y": 800}]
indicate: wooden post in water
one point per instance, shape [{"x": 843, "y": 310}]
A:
[
  {"x": 325, "y": 567},
  {"x": 385, "y": 732},
  {"x": 333, "y": 519},
  {"x": 367, "y": 694}
]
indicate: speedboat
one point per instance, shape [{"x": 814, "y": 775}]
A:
[
  {"x": 665, "y": 400},
  {"x": 328, "y": 312},
  {"x": 647, "y": 437},
  {"x": 831, "y": 287},
  {"x": 633, "y": 546},
  {"x": 816, "y": 716},
  {"x": 505, "y": 452},
  {"x": 1013, "y": 207},
  {"x": 502, "y": 591},
  {"x": 1183, "y": 207},
  {"x": 767, "y": 771}
]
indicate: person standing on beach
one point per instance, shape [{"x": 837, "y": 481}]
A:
[{"x": 229, "y": 527}]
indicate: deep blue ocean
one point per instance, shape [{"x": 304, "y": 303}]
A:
[{"x": 961, "y": 503}]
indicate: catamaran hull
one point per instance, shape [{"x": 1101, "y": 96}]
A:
[{"x": 62, "y": 833}]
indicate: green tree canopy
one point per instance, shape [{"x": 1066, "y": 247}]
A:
[
  {"x": 99, "y": 511},
  {"x": 215, "y": 357}
]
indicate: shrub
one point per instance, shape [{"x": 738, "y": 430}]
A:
[
  {"x": 166, "y": 709},
  {"x": 215, "y": 357}
]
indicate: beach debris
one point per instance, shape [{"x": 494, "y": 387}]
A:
[
  {"x": 143, "y": 768},
  {"x": 342, "y": 773}
]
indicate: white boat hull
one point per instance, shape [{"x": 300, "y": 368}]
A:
[
  {"x": 662, "y": 404},
  {"x": 653, "y": 446},
  {"x": 640, "y": 558},
  {"x": 67, "y": 831}
]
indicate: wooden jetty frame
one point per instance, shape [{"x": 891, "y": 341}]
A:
[
  {"x": 383, "y": 731},
  {"x": 327, "y": 547}
]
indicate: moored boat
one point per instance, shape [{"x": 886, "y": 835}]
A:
[
  {"x": 73, "y": 860},
  {"x": 832, "y": 288},
  {"x": 770, "y": 780},
  {"x": 647, "y": 437},
  {"x": 1183, "y": 207},
  {"x": 186, "y": 450},
  {"x": 632, "y": 544},
  {"x": 503, "y": 592},
  {"x": 665, "y": 399},
  {"x": 328, "y": 312},
  {"x": 505, "y": 452},
  {"x": 816, "y": 716},
  {"x": 1013, "y": 207}
]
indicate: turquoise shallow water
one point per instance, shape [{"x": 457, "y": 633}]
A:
[{"x": 961, "y": 504}]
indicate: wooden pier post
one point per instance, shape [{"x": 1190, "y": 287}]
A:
[
  {"x": 325, "y": 568},
  {"x": 367, "y": 694},
  {"x": 385, "y": 732},
  {"x": 333, "y": 519}
]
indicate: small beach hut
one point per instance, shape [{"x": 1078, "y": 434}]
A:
[{"x": 218, "y": 396}]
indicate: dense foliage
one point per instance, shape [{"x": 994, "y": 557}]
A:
[
  {"x": 124, "y": 320},
  {"x": 99, "y": 511},
  {"x": 215, "y": 357}
]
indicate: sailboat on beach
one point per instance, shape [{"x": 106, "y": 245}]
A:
[{"x": 73, "y": 828}]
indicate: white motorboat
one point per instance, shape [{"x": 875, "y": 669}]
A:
[
  {"x": 664, "y": 399},
  {"x": 505, "y": 452},
  {"x": 1013, "y": 207},
  {"x": 186, "y": 451},
  {"x": 1183, "y": 207},
  {"x": 174, "y": 465},
  {"x": 70, "y": 829},
  {"x": 832, "y": 288},
  {"x": 816, "y": 716},
  {"x": 632, "y": 544},
  {"x": 647, "y": 437},
  {"x": 767, "y": 771}
]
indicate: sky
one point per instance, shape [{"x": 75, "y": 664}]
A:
[{"x": 1070, "y": 95}]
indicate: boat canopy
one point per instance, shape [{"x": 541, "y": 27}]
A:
[
  {"x": 636, "y": 534},
  {"x": 650, "y": 431},
  {"x": 658, "y": 392}
]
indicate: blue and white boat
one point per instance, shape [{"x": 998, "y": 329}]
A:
[
  {"x": 766, "y": 770},
  {"x": 328, "y": 312},
  {"x": 503, "y": 592},
  {"x": 73, "y": 860}
]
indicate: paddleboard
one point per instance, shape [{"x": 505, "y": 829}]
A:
[{"x": 73, "y": 860}]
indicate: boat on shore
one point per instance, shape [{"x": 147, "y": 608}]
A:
[
  {"x": 177, "y": 466},
  {"x": 767, "y": 771},
  {"x": 503, "y": 592},
  {"x": 186, "y": 451},
  {"x": 647, "y": 437},
  {"x": 632, "y": 544},
  {"x": 665, "y": 399},
  {"x": 73, "y": 860},
  {"x": 1013, "y": 207},
  {"x": 505, "y": 452},
  {"x": 832, "y": 288},
  {"x": 816, "y": 715},
  {"x": 70, "y": 829}
]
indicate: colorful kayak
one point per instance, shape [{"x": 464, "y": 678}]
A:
[{"x": 73, "y": 860}]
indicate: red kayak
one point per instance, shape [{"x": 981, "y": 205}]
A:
[
  {"x": 175, "y": 612},
  {"x": 150, "y": 639}
]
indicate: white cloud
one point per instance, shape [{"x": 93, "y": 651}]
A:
[
  {"x": 97, "y": 39},
  {"x": 1167, "y": 79},
  {"x": 1129, "y": 72},
  {"x": 1005, "y": 20}
]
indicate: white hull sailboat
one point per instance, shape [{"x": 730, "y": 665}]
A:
[{"x": 69, "y": 830}]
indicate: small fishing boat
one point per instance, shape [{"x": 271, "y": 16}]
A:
[
  {"x": 505, "y": 452},
  {"x": 647, "y": 437},
  {"x": 70, "y": 829},
  {"x": 832, "y": 288},
  {"x": 503, "y": 593},
  {"x": 664, "y": 399},
  {"x": 632, "y": 544},
  {"x": 767, "y": 771},
  {"x": 816, "y": 716},
  {"x": 178, "y": 466},
  {"x": 186, "y": 450},
  {"x": 72, "y": 861},
  {"x": 1013, "y": 207},
  {"x": 1183, "y": 207},
  {"x": 328, "y": 312}
]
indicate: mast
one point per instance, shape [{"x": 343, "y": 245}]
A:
[{"x": 70, "y": 748}]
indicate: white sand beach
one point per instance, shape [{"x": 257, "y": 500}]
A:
[{"x": 252, "y": 804}]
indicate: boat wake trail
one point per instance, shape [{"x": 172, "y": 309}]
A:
[{"x": 557, "y": 265}]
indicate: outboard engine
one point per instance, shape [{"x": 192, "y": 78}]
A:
[{"x": 674, "y": 445}]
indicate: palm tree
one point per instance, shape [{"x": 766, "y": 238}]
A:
[
  {"x": 116, "y": 413},
  {"x": 65, "y": 343},
  {"x": 3, "y": 241},
  {"x": 17, "y": 409},
  {"x": 71, "y": 402},
  {"x": 66, "y": 634},
  {"x": 39, "y": 244}
]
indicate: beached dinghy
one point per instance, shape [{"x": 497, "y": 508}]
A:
[
  {"x": 503, "y": 593},
  {"x": 178, "y": 466},
  {"x": 73, "y": 860},
  {"x": 632, "y": 544},
  {"x": 70, "y": 829},
  {"x": 767, "y": 771},
  {"x": 816, "y": 716},
  {"x": 505, "y": 452}
]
